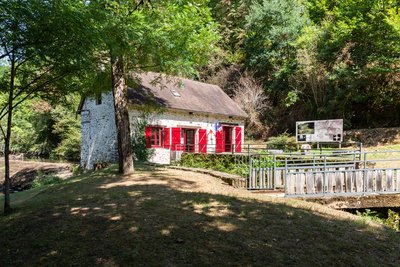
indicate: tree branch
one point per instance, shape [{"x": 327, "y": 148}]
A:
[
  {"x": 21, "y": 90},
  {"x": 2, "y": 132},
  {"x": 35, "y": 90}
]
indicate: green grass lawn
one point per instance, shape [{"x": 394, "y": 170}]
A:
[{"x": 147, "y": 220}]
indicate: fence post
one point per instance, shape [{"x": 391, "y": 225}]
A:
[
  {"x": 274, "y": 172},
  {"x": 324, "y": 177},
  {"x": 250, "y": 172},
  {"x": 365, "y": 172},
  {"x": 285, "y": 176}
]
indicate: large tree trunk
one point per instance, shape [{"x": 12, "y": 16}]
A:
[
  {"x": 7, "y": 178},
  {"x": 120, "y": 92}
]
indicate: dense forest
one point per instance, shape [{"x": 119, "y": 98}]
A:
[
  {"x": 281, "y": 60},
  {"x": 288, "y": 60}
]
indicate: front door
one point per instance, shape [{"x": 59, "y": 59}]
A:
[
  {"x": 227, "y": 135},
  {"x": 189, "y": 140}
]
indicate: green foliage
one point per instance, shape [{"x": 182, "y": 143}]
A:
[
  {"x": 233, "y": 164},
  {"x": 70, "y": 146},
  {"x": 391, "y": 219},
  {"x": 76, "y": 169},
  {"x": 42, "y": 129},
  {"x": 317, "y": 10},
  {"x": 370, "y": 215},
  {"x": 361, "y": 44},
  {"x": 283, "y": 141},
  {"x": 317, "y": 59},
  {"x": 46, "y": 180},
  {"x": 230, "y": 16},
  {"x": 166, "y": 36},
  {"x": 139, "y": 147},
  {"x": 272, "y": 28}
]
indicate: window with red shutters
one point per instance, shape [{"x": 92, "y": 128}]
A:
[
  {"x": 167, "y": 142},
  {"x": 219, "y": 142},
  {"x": 202, "y": 141},
  {"x": 148, "y": 136},
  {"x": 238, "y": 139},
  {"x": 154, "y": 136},
  {"x": 176, "y": 139}
]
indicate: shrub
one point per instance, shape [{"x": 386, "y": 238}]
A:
[
  {"x": 393, "y": 220},
  {"x": 70, "y": 147},
  {"x": 233, "y": 164},
  {"x": 139, "y": 148},
  {"x": 283, "y": 141},
  {"x": 46, "y": 180},
  {"x": 76, "y": 169}
]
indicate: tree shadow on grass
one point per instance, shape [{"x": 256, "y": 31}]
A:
[{"x": 147, "y": 220}]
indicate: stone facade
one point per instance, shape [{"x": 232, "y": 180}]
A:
[{"x": 99, "y": 134}]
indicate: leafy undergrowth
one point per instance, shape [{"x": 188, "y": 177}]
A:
[{"x": 160, "y": 217}]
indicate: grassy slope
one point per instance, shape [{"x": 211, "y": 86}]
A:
[{"x": 104, "y": 219}]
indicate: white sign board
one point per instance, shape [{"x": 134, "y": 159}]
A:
[{"x": 322, "y": 131}]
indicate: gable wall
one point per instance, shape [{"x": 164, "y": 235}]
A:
[{"x": 98, "y": 133}]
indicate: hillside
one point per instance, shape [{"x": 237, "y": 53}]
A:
[
  {"x": 173, "y": 218},
  {"x": 374, "y": 136}
]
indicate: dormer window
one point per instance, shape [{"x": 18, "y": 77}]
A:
[{"x": 175, "y": 93}]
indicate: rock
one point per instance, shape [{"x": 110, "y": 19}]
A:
[{"x": 305, "y": 149}]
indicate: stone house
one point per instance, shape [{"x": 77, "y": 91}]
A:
[{"x": 180, "y": 115}]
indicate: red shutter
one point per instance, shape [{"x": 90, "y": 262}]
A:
[
  {"x": 219, "y": 142},
  {"x": 202, "y": 141},
  {"x": 166, "y": 138},
  {"x": 176, "y": 139},
  {"x": 238, "y": 139},
  {"x": 148, "y": 136}
]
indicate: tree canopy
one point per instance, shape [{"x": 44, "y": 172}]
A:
[
  {"x": 52, "y": 48},
  {"x": 45, "y": 44},
  {"x": 166, "y": 36},
  {"x": 315, "y": 59}
]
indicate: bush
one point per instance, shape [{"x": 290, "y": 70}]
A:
[
  {"x": 283, "y": 141},
  {"x": 76, "y": 169},
  {"x": 46, "y": 180},
  {"x": 139, "y": 148},
  {"x": 393, "y": 220},
  {"x": 70, "y": 146},
  {"x": 233, "y": 164}
]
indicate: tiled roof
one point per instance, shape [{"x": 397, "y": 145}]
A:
[{"x": 182, "y": 94}]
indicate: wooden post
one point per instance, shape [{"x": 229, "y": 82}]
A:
[
  {"x": 389, "y": 180},
  {"x": 324, "y": 176},
  {"x": 365, "y": 172},
  {"x": 285, "y": 177},
  {"x": 273, "y": 173}
]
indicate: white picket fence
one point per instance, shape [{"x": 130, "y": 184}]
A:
[
  {"x": 346, "y": 173},
  {"x": 342, "y": 182}
]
